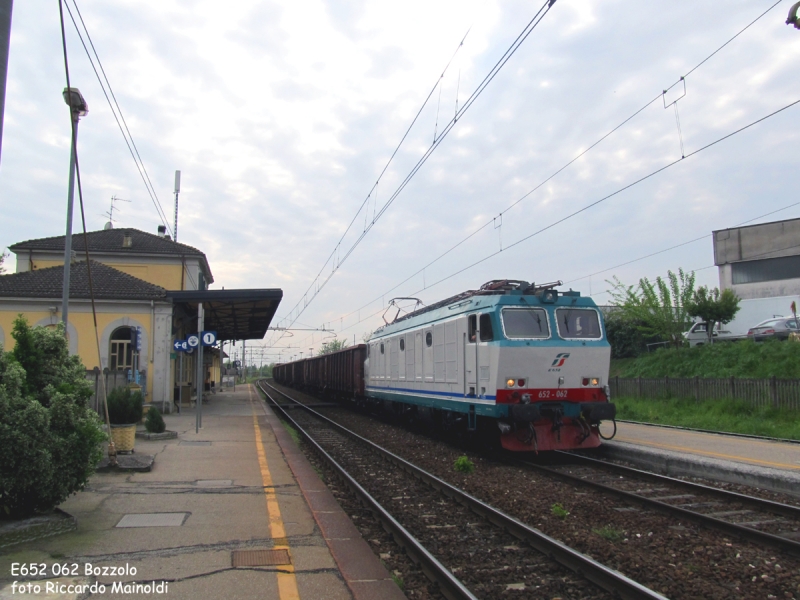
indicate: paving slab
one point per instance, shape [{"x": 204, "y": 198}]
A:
[{"x": 197, "y": 505}]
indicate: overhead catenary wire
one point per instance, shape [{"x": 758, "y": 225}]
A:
[
  {"x": 372, "y": 195},
  {"x": 305, "y": 300},
  {"x": 687, "y": 242},
  {"x": 570, "y": 162},
  {"x": 600, "y": 201},
  {"x": 117, "y": 113},
  {"x": 112, "y": 453},
  {"x": 121, "y": 123}
]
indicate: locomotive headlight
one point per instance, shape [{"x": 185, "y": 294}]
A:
[
  {"x": 595, "y": 381},
  {"x": 510, "y": 383}
]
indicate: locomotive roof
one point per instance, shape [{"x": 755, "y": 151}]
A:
[{"x": 505, "y": 292}]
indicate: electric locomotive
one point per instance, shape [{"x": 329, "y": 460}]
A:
[
  {"x": 528, "y": 360},
  {"x": 531, "y": 358}
]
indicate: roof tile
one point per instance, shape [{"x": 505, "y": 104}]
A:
[
  {"x": 108, "y": 284},
  {"x": 111, "y": 240}
]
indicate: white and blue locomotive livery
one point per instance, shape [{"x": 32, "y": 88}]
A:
[{"x": 531, "y": 358}]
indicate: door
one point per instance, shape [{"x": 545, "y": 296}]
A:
[
  {"x": 427, "y": 354},
  {"x": 401, "y": 366},
  {"x": 485, "y": 334},
  {"x": 470, "y": 354},
  {"x": 418, "y": 356}
]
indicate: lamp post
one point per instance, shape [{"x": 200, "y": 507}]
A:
[{"x": 78, "y": 109}]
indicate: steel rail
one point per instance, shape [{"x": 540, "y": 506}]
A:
[
  {"x": 761, "y": 503},
  {"x": 608, "y": 579},
  {"x": 448, "y": 584},
  {"x": 747, "y": 533}
]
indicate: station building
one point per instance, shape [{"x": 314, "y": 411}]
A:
[{"x": 141, "y": 281}]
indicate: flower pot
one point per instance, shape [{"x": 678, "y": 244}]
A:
[
  {"x": 124, "y": 437},
  {"x": 145, "y": 408}
]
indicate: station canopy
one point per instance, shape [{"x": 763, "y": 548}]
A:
[{"x": 233, "y": 314}]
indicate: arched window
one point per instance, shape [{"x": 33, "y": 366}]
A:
[{"x": 121, "y": 353}]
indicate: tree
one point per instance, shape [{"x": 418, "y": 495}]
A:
[
  {"x": 658, "y": 307},
  {"x": 624, "y": 335},
  {"x": 713, "y": 307},
  {"x": 333, "y": 346}
]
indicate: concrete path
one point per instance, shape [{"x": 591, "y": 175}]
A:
[{"x": 239, "y": 492}]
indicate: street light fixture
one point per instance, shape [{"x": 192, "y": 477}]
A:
[{"x": 78, "y": 108}]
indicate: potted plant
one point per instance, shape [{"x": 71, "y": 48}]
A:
[{"x": 124, "y": 412}]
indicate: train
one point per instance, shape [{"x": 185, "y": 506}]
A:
[{"x": 524, "y": 362}]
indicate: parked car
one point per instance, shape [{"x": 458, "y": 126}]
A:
[
  {"x": 773, "y": 329},
  {"x": 698, "y": 334}
]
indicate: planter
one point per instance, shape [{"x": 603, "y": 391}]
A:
[
  {"x": 124, "y": 437},
  {"x": 145, "y": 408}
]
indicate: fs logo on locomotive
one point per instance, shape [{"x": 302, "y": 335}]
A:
[{"x": 561, "y": 358}]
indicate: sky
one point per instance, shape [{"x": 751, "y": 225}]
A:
[{"x": 291, "y": 124}]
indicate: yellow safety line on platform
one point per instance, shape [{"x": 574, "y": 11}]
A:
[
  {"x": 684, "y": 449},
  {"x": 287, "y": 582}
]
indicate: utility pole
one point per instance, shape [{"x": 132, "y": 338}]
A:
[
  {"x": 177, "y": 191},
  {"x": 6, "y": 7},
  {"x": 78, "y": 108}
]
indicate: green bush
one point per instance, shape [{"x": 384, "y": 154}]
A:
[
  {"x": 154, "y": 422},
  {"x": 124, "y": 406},
  {"x": 463, "y": 465},
  {"x": 49, "y": 436}
]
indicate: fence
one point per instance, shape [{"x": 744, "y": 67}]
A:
[
  {"x": 779, "y": 393},
  {"x": 114, "y": 379}
]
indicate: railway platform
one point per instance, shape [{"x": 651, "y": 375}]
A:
[
  {"x": 758, "y": 462},
  {"x": 233, "y": 511}
]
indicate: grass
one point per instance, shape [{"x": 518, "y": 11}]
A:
[
  {"x": 744, "y": 359},
  {"x": 733, "y": 416},
  {"x": 399, "y": 581},
  {"x": 293, "y": 433},
  {"x": 609, "y": 533},
  {"x": 558, "y": 510},
  {"x": 463, "y": 465}
]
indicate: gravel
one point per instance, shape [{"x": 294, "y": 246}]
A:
[{"x": 678, "y": 559}]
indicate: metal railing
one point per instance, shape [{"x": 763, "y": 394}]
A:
[
  {"x": 113, "y": 379},
  {"x": 778, "y": 393}
]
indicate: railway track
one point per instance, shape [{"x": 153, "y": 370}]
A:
[
  {"x": 467, "y": 547},
  {"x": 748, "y": 517}
]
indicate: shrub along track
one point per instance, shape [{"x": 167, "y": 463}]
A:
[{"x": 680, "y": 559}]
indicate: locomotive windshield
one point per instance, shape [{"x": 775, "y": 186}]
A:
[
  {"x": 578, "y": 323},
  {"x": 525, "y": 323}
]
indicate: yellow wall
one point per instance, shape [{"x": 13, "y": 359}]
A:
[
  {"x": 84, "y": 323},
  {"x": 167, "y": 276}
]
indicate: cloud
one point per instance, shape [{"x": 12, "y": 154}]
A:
[{"x": 281, "y": 117}]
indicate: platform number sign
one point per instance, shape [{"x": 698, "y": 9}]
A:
[
  {"x": 209, "y": 338},
  {"x": 181, "y": 345}
]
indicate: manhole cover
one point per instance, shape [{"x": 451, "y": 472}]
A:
[
  {"x": 154, "y": 520},
  {"x": 260, "y": 558},
  {"x": 213, "y": 483},
  {"x": 193, "y": 443}
]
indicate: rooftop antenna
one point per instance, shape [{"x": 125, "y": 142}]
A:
[
  {"x": 110, "y": 213},
  {"x": 177, "y": 191}
]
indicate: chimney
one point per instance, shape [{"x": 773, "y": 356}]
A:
[{"x": 162, "y": 231}]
